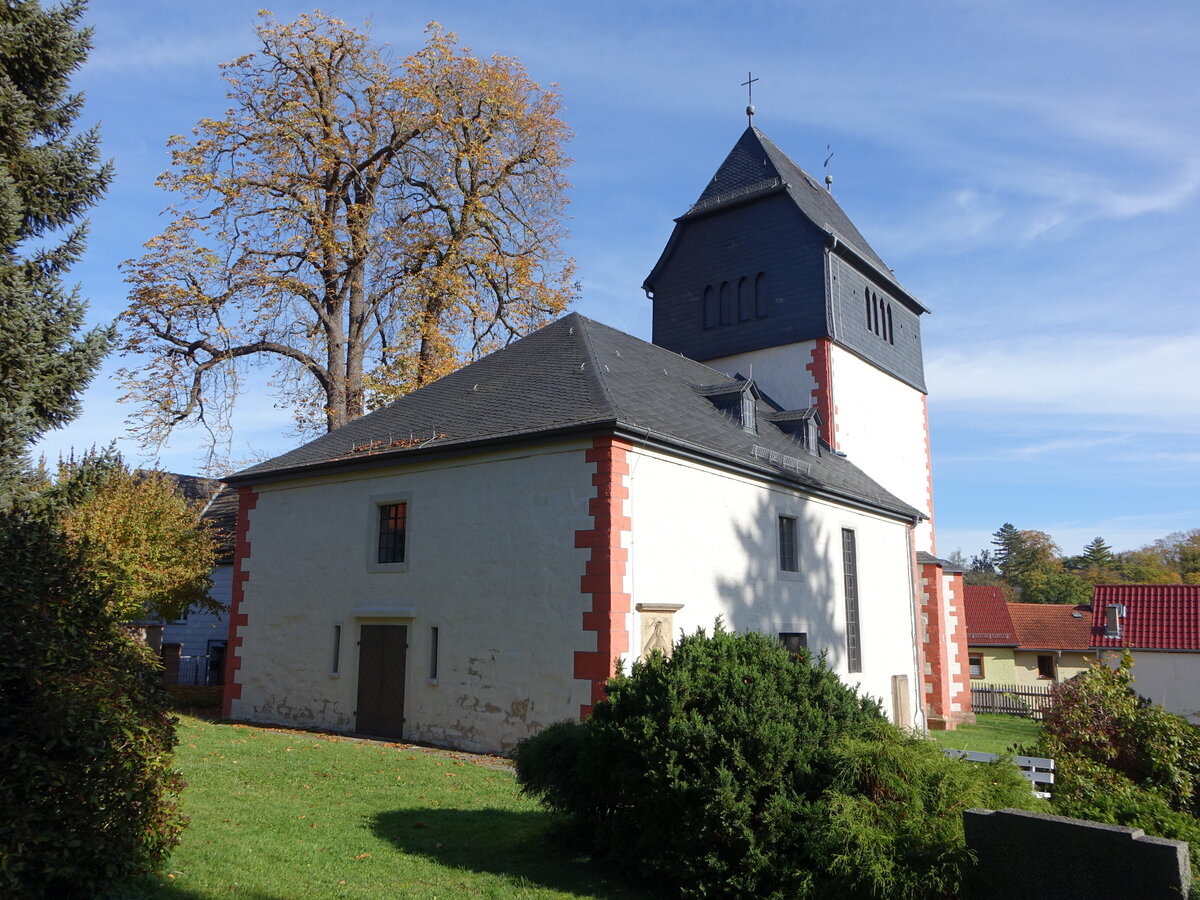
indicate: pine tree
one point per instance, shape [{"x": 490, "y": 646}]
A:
[
  {"x": 1097, "y": 553},
  {"x": 1007, "y": 541},
  {"x": 49, "y": 175}
]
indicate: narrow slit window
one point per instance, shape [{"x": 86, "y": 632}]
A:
[
  {"x": 728, "y": 313},
  {"x": 891, "y": 335},
  {"x": 745, "y": 301},
  {"x": 337, "y": 650},
  {"x": 850, "y": 570},
  {"x": 789, "y": 557},
  {"x": 867, "y": 299},
  {"x": 433, "y": 653},
  {"x": 760, "y": 295},
  {"x": 392, "y": 526}
]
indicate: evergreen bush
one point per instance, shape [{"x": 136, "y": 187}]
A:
[
  {"x": 892, "y": 822},
  {"x": 704, "y": 767},
  {"x": 86, "y": 785},
  {"x": 735, "y": 769}
]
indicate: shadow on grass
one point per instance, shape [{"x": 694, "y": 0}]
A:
[{"x": 516, "y": 845}]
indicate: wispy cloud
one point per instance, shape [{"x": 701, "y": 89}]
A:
[{"x": 1146, "y": 377}]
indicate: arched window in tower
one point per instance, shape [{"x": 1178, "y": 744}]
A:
[
  {"x": 760, "y": 294},
  {"x": 712, "y": 312},
  {"x": 867, "y": 298},
  {"x": 728, "y": 315},
  {"x": 745, "y": 301},
  {"x": 891, "y": 335},
  {"x": 875, "y": 312}
]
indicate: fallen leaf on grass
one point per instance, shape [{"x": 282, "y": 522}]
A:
[{"x": 362, "y": 856}]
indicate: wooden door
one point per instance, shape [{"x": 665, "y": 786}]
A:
[{"x": 382, "y": 653}]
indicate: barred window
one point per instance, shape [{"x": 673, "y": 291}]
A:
[
  {"x": 850, "y": 574},
  {"x": 392, "y": 518},
  {"x": 789, "y": 557}
]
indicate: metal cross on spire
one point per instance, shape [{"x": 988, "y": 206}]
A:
[{"x": 748, "y": 84}]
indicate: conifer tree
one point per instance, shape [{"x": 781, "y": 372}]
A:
[
  {"x": 1097, "y": 553},
  {"x": 49, "y": 175}
]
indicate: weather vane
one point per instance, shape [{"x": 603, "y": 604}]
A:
[{"x": 748, "y": 84}]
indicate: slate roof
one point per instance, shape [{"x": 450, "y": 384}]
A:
[
  {"x": 757, "y": 166},
  {"x": 221, "y": 516},
  {"x": 1049, "y": 626},
  {"x": 988, "y": 621},
  {"x": 218, "y": 507},
  {"x": 1157, "y": 616},
  {"x": 576, "y": 375}
]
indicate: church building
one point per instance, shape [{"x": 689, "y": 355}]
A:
[{"x": 473, "y": 561}]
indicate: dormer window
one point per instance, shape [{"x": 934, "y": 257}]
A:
[
  {"x": 738, "y": 399},
  {"x": 1113, "y": 614}
]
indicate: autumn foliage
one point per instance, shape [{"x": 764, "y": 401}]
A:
[{"x": 364, "y": 224}]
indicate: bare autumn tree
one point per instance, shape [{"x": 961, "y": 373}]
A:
[{"x": 364, "y": 225}]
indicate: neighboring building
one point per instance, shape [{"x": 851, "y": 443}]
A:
[
  {"x": 193, "y": 646},
  {"x": 1024, "y": 643},
  {"x": 991, "y": 638},
  {"x": 1160, "y": 625},
  {"x": 1052, "y": 641},
  {"x": 471, "y": 562}
]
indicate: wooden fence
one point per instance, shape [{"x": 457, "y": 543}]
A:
[{"x": 1027, "y": 700}]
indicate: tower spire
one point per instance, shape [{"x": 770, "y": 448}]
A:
[{"x": 748, "y": 84}]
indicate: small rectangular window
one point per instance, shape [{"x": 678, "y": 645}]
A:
[
  {"x": 337, "y": 649},
  {"x": 850, "y": 567},
  {"x": 1046, "y": 666},
  {"x": 392, "y": 521},
  {"x": 433, "y": 653},
  {"x": 794, "y": 641},
  {"x": 975, "y": 661},
  {"x": 789, "y": 557}
]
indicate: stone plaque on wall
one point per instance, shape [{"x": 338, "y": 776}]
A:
[{"x": 657, "y": 627}]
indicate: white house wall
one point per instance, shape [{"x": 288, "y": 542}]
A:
[
  {"x": 708, "y": 540},
  {"x": 491, "y": 563},
  {"x": 201, "y": 626},
  {"x": 1171, "y": 680}
]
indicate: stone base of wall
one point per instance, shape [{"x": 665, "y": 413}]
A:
[{"x": 950, "y": 722}]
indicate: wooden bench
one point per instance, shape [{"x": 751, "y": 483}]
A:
[{"x": 1038, "y": 770}]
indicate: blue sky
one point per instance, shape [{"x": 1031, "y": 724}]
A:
[{"x": 1030, "y": 170}]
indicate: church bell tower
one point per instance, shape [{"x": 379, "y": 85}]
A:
[
  {"x": 766, "y": 277},
  {"x": 766, "y": 274}
]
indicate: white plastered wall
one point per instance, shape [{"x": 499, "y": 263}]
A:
[
  {"x": 491, "y": 563},
  {"x": 879, "y": 420},
  {"x": 880, "y": 424},
  {"x": 1171, "y": 680},
  {"x": 778, "y": 371},
  {"x": 708, "y": 539}
]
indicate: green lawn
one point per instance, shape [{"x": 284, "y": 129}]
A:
[
  {"x": 990, "y": 734},
  {"x": 277, "y": 814}
]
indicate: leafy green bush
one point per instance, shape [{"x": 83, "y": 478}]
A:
[
  {"x": 1122, "y": 760},
  {"x": 892, "y": 823},
  {"x": 86, "y": 784}
]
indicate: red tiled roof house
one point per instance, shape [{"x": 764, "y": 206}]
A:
[
  {"x": 1024, "y": 643},
  {"x": 1160, "y": 625}
]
